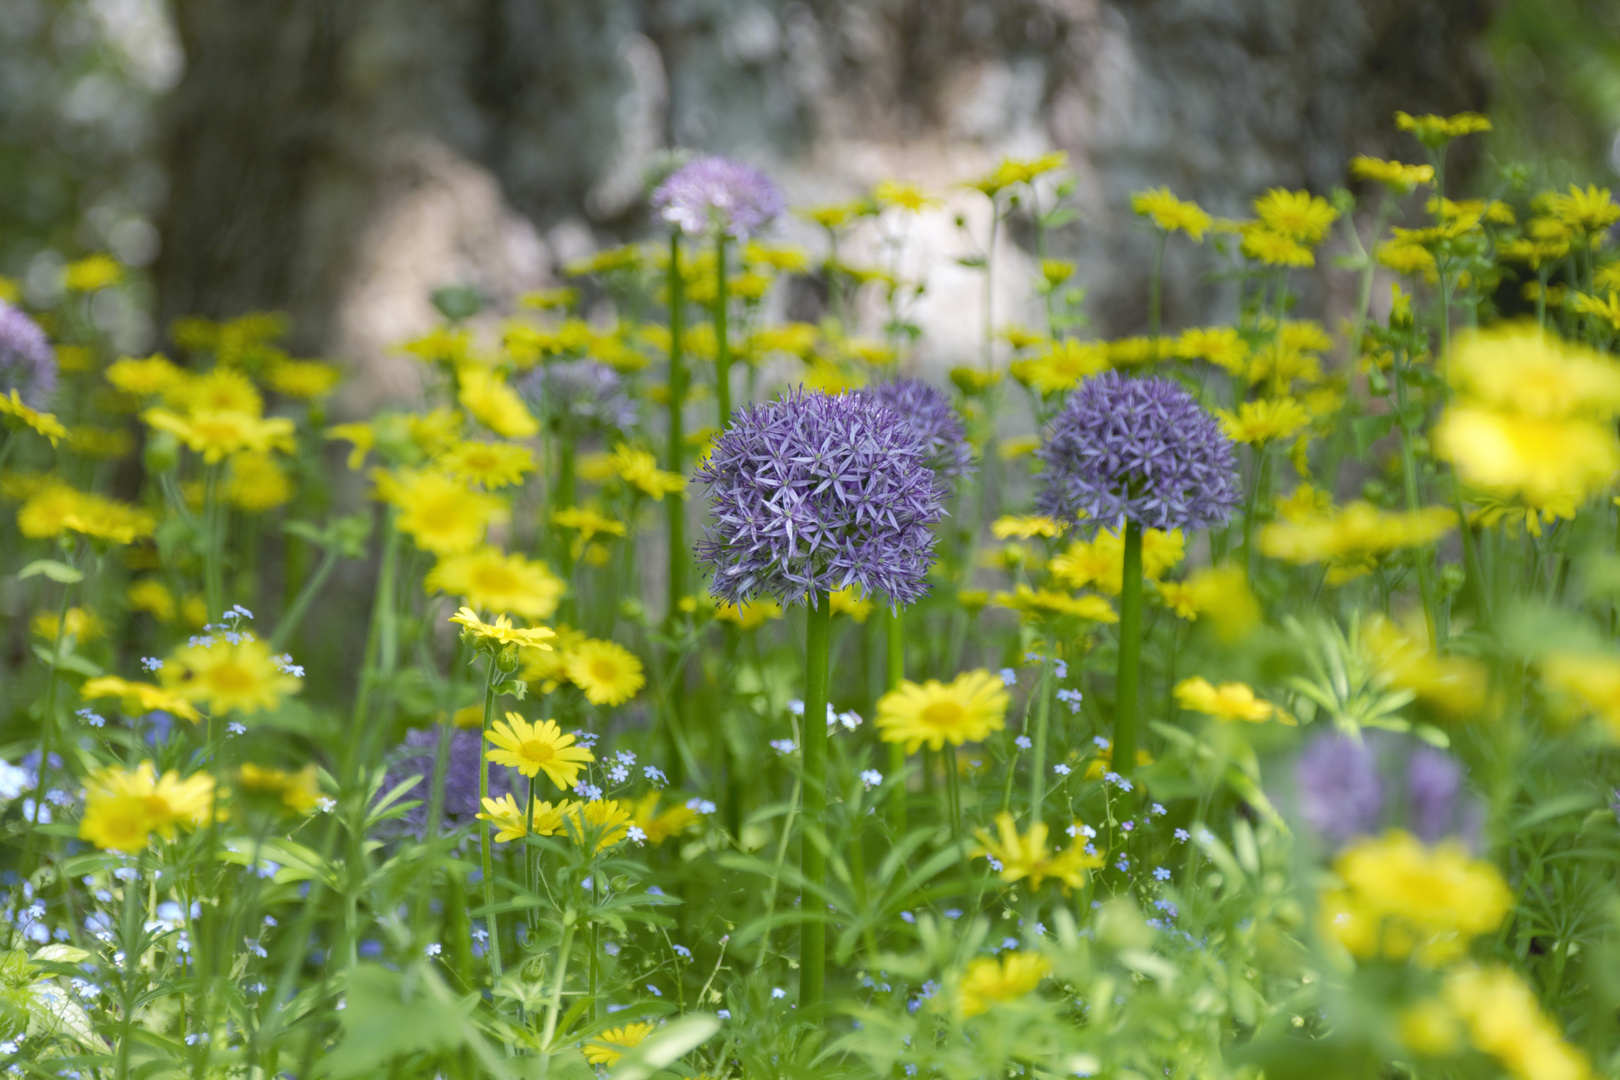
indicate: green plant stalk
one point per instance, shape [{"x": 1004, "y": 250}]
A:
[
  {"x": 554, "y": 1007},
  {"x": 1130, "y": 653},
  {"x": 894, "y": 626},
  {"x": 1043, "y": 717},
  {"x": 674, "y": 461},
  {"x": 1414, "y": 501},
  {"x": 990, "y": 287},
  {"x": 722, "y": 346},
  {"x": 812, "y": 859},
  {"x": 294, "y": 615},
  {"x": 486, "y": 856},
  {"x": 381, "y": 608}
]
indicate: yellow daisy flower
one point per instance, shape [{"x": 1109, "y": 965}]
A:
[
  {"x": 512, "y": 821},
  {"x": 1298, "y": 215},
  {"x": 992, "y": 979},
  {"x": 1051, "y": 604},
  {"x": 489, "y": 400},
  {"x": 535, "y": 748},
  {"x": 640, "y": 469},
  {"x": 13, "y": 409},
  {"x": 226, "y": 677},
  {"x": 606, "y": 819},
  {"x": 1026, "y": 856},
  {"x": 305, "y": 380},
  {"x": 502, "y": 632},
  {"x": 297, "y": 791},
  {"x": 609, "y": 673},
  {"x": 439, "y": 514},
  {"x": 661, "y": 825},
  {"x": 492, "y": 464},
  {"x": 1172, "y": 214},
  {"x": 256, "y": 482},
  {"x": 971, "y": 706},
  {"x": 1229, "y": 701},
  {"x": 139, "y": 698},
  {"x": 492, "y": 580},
  {"x": 123, "y": 808},
  {"x": 1263, "y": 421},
  {"x": 218, "y": 434},
  {"x": 608, "y": 1047}
]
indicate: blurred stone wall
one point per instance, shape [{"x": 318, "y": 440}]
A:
[{"x": 340, "y": 160}]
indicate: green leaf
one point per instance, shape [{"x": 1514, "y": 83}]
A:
[
  {"x": 56, "y": 571},
  {"x": 60, "y": 954},
  {"x": 383, "y": 1021},
  {"x": 67, "y": 662},
  {"x": 51, "y": 1011},
  {"x": 1369, "y": 429},
  {"x": 673, "y": 1041}
]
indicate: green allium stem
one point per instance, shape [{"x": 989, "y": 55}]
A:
[
  {"x": 676, "y": 507},
  {"x": 812, "y": 858},
  {"x": 554, "y": 1008},
  {"x": 1130, "y": 653},
  {"x": 894, "y": 626},
  {"x": 722, "y": 347}
]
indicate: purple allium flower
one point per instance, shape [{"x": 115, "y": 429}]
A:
[
  {"x": 717, "y": 193},
  {"x": 813, "y": 493},
  {"x": 1140, "y": 449},
  {"x": 578, "y": 395},
  {"x": 27, "y": 361},
  {"x": 929, "y": 413},
  {"x": 1340, "y": 794},
  {"x": 1436, "y": 804},
  {"x": 416, "y": 756}
]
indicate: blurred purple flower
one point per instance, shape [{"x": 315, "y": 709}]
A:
[
  {"x": 578, "y": 395},
  {"x": 416, "y": 756},
  {"x": 1433, "y": 783},
  {"x": 1140, "y": 449},
  {"x": 718, "y": 193},
  {"x": 1340, "y": 794},
  {"x": 814, "y": 493},
  {"x": 27, "y": 361},
  {"x": 931, "y": 416}
]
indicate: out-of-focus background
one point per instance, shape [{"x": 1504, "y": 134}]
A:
[{"x": 340, "y": 159}]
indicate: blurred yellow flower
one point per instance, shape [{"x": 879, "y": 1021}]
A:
[
  {"x": 1435, "y": 131},
  {"x": 489, "y": 579},
  {"x": 606, "y": 671},
  {"x": 218, "y": 435},
  {"x": 1263, "y": 421},
  {"x": 1222, "y": 346},
  {"x": 305, "y": 380},
  {"x": 443, "y": 516},
  {"x": 501, "y": 632},
  {"x": 969, "y": 707},
  {"x": 145, "y": 378},
  {"x": 91, "y": 273},
  {"x": 226, "y": 676},
  {"x": 848, "y": 601},
  {"x": 1298, "y": 215},
  {"x": 81, "y": 625},
  {"x": 16, "y": 414},
  {"x": 1228, "y": 701},
  {"x": 1505, "y": 1020},
  {"x": 138, "y": 698},
  {"x": 1025, "y": 527},
  {"x": 489, "y": 400},
  {"x": 1170, "y": 213},
  {"x": 256, "y": 482},
  {"x": 490, "y": 464},
  {"x": 1049, "y": 604},
  {"x": 296, "y": 791},
  {"x": 124, "y": 807},
  {"x": 990, "y": 979},
  {"x": 639, "y": 469},
  {"x": 608, "y": 1047},
  {"x": 1394, "y": 175}
]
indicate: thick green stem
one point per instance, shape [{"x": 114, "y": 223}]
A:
[
  {"x": 1130, "y": 653},
  {"x": 491, "y": 922},
  {"x": 722, "y": 347},
  {"x": 812, "y": 858},
  {"x": 676, "y": 452},
  {"x": 894, "y": 625}
]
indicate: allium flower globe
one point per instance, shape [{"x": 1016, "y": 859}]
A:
[
  {"x": 27, "y": 361},
  {"x": 1139, "y": 449},
  {"x": 417, "y": 756},
  {"x": 718, "y": 193},
  {"x": 929, "y": 414},
  {"x": 814, "y": 493},
  {"x": 579, "y": 396}
]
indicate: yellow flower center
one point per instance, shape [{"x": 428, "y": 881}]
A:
[
  {"x": 495, "y": 579},
  {"x": 944, "y": 715},
  {"x": 604, "y": 670},
  {"x": 232, "y": 678},
  {"x": 537, "y": 753}
]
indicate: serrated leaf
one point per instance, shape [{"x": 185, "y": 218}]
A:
[{"x": 57, "y": 571}]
